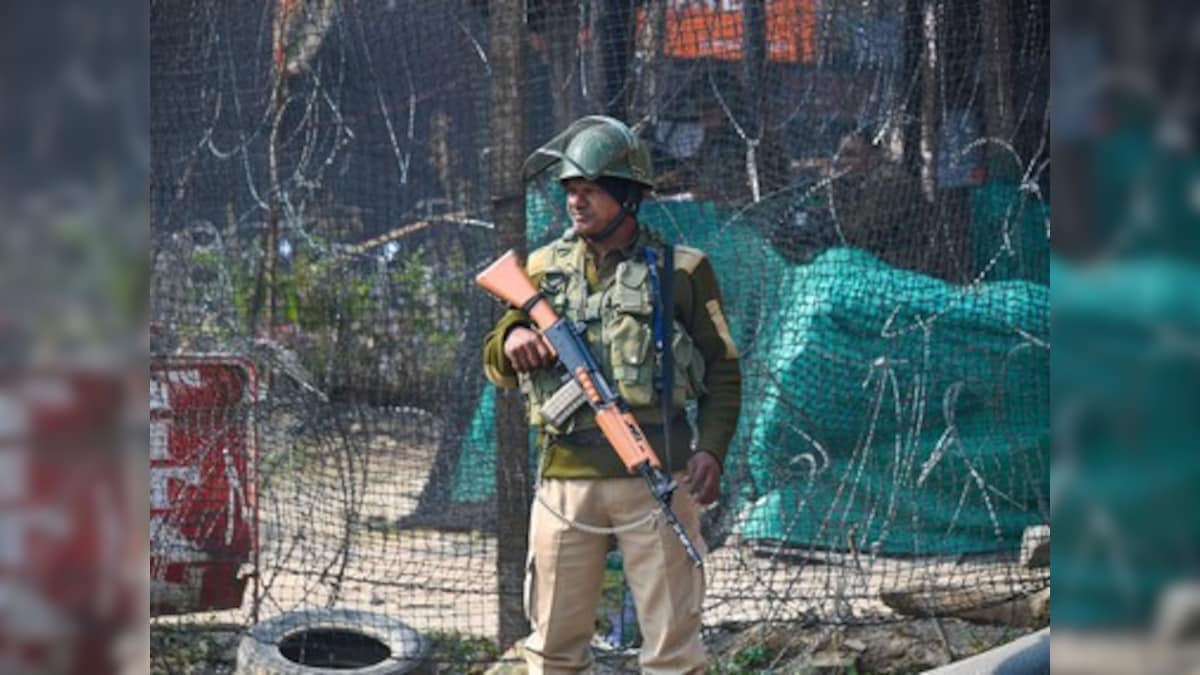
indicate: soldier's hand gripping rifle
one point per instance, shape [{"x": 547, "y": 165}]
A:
[{"x": 506, "y": 279}]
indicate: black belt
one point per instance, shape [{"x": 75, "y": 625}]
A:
[{"x": 595, "y": 438}]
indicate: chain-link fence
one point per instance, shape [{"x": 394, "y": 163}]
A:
[{"x": 870, "y": 180}]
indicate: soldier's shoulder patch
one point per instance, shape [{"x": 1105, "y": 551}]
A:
[
  {"x": 722, "y": 326},
  {"x": 688, "y": 258},
  {"x": 539, "y": 259}
]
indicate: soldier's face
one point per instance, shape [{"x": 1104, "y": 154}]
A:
[{"x": 590, "y": 207}]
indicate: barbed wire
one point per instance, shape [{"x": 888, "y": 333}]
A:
[{"x": 894, "y": 349}]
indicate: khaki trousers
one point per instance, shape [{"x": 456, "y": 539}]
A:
[{"x": 565, "y": 573}]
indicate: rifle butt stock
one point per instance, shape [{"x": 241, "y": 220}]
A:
[{"x": 506, "y": 279}]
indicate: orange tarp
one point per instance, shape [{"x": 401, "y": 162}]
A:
[{"x": 713, "y": 29}]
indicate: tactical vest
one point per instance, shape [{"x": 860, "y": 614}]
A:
[{"x": 618, "y": 326}]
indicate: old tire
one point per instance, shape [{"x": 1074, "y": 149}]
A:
[{"x": 341, "y": 641}]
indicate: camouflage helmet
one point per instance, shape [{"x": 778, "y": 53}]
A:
[{"x": 592, "y": 147}]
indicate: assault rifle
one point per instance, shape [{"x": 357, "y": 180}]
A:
[{"x": 506, "y": 279}]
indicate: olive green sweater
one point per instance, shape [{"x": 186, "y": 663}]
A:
[{"x": 698, "y": 308}]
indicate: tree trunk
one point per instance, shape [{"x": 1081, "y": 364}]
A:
[
  {"x": 754, "y": 61},
  {"x": 929, "y": 98},
  {"x": 650, "y": 41},
  {"x": 997, "y": 52},
  {"x": 615, "y": 43},
  {"x": 562, "y": 54},
  {"x": 508, "y": 212},
  {"x": 910, "y": 70}
]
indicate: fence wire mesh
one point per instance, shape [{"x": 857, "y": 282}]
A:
[{"x": 870, "y": 180}]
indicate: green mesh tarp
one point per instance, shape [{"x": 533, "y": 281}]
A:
[
  {"x": 1126, "y": 464},
  {"x": 897, "y": 412},
  {"x": 1010, "y": 233},
  {"x": 883, "y": 410}
]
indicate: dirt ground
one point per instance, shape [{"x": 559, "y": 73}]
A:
[
  {"x": 330, "y": 538},
  {"x": 910, "y": 647}
]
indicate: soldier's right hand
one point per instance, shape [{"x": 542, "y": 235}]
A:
[{"x": 527, "y": 350}]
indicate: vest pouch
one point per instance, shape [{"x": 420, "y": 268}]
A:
[
  {"x": 689, "y": 368},
  {"x": 626, "y": 333},
  {"x": 537, "y": 387},
  {"x": 629, "y": 345}
]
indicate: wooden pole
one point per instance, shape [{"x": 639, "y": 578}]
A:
[
  {"x": 650, "y": 46},
  {"x": 997, "y": 52},
  {"x": 513, "y": 480},
  {"x": 930, "y": 68}
]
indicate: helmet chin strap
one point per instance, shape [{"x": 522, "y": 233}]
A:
[{"x": 627, "y": 209}]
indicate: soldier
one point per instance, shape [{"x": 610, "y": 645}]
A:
[{"x": 607, "y": 273}]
